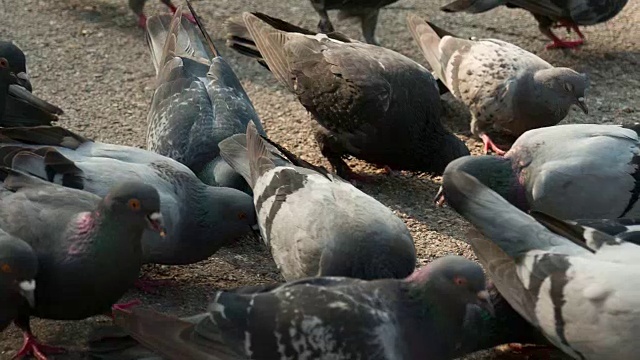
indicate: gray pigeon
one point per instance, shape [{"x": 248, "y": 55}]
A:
[
  {"x": 88, "y": 248},
  {"x": 565, "y": 13},
  {"x": 419, "y": 317},
  {"x": 18, "y": 268},
  {"x": 578, "y": 171},
  {"x": 199, "y": 218},
  {"x": 137, "y": 6},
  {"x": 18, "y": 106},
  {"x": 198, "y": 101},
  {"x": 370, "y": 102},
  {"x": 508, "y": 90},
  {"x": 315, "y": 223},
  {"x": 365, "y": 10},
  {"x": 579, "y": 291}
]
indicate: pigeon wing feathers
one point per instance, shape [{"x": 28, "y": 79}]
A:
[
  {"x": 429, "y": 42},
  {"x": 169, "y": 336},
  {"x": 259, "y": 157},
  {"x": 470, "y": 198}
]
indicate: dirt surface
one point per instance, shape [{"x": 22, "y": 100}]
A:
[{"x": 89, "y": 57}]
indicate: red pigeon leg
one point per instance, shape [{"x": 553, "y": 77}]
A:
[
  {"x": 32, "y": 347},
  {"x": 189, "y": 17},
  {"x": 563, "y": 44},
  {"x": 489, "y": 144},
  {"x": 123, "y": 307},
  {"x": 142, "y": 21}
]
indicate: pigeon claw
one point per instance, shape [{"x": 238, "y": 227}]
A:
[
  {"x": 565, "y": 44},
  {"x": 32, "y": 347},
  {"x": 490, "y": 145}
]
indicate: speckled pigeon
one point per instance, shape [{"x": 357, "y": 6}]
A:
[
  {"x": 88, "y": 248},
  {"x": 577, "y": 171},
  {"x": 507, "y": 89},
  {"x": 580, "y": 291},
  {"x": 365, "y": 10},
  {"x": 198, "y": 101},
  {"x": 199, "y": 218},
  {"x": 370, "y": 102},
  {"x": 565, "y": 13},
  {"x": 137, "y": 6},
  {"x": 419, "y": 317},
  {"x": 18, "y": 268},
  {"x": 18, "y": 106},
  {"x": 315, "y": 223}
]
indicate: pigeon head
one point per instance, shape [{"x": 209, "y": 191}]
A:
[
  {"x": 17, "y": 62},
  {"x": 18, "y": 267},
  {"x": 453, "y": 280},
  {"x": 564, "y": 87},
  {"x": 136, "y": 201},
  {"x": 495, "y": 172}
]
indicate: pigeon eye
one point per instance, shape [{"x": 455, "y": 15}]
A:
[
  {"x": 5, "y": 268},
  {"x": 242, "y": 216},
  {"x": 134, "y": 204},
  {"x": 568, "y": 87},
  {"x": 4, "y": 63},
  {"x": 460, "y": 281}
]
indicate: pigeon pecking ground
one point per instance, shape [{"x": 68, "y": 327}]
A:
[{"x": 89, "y": 57}]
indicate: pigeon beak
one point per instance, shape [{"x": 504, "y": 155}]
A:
[
  {"x": 581, "y": 103},
  {"x": 156, "y": 223},
  {"x": 27, "y": 289},
  {"x": 484, "y": 301},
  {"x": 24, "y": 80},
  {"x": 439, "y": 199}
]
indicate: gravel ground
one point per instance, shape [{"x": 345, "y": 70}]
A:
[{"x": 89, "y": 57}]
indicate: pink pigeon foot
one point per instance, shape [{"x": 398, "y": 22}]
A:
[
  {"x": 489, "y": 144},
  {"x": 564, "y": 44},
  {"x": 188, "y": 16},
  {"x": 142, "y": 21},
  {"x": 123, "y": 307},
  {"x": 32, "y": 347}
]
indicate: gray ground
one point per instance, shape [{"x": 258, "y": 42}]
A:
[{"x": 89, "y": 57}]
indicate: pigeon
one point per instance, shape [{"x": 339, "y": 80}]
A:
[
  {"x": 137, "y": 7},
  {"x": 419, "y": 317},
  {"x": 88, "y": 248},
  {"x": 370, "y": 102},
  {"x": 551, "y": 13},
  {"x": 18, "y": 269},
  {"x": 198, "y": 101},
  {"x": 507, "y": 89},
  {"x": 577, "y": 290},
  {"x": 18, "y": 106},
  {"x": 315, "y": 223},
  {"x": 365, "y": 10},
  {"x": 577, "y": 171},
  {"x": 199, "y": 218}
]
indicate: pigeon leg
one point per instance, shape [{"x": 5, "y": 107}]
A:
[
  {"x": 369, "y": 22},
  {"x": 570, "y": 25},
  {"x": 324, "y": 26},
  {"x": 32, "y": 347},
  {"x": 489, "y": 144},
  {"x": 559, "y": 43},
  {"x": 124, "y": 307},
  {"x": 142, "y": 21}
]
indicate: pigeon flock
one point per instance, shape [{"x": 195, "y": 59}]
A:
[{"x": 554, "y": 210}]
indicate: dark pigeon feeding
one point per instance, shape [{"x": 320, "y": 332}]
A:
[
  {"x": 88, "y": 248},
  {"x": 551, "y": 13},
  {"x": 370, "y": 102},
  {"x": 199, "y": 218},
  {"x": 137, "y": 6},
  {"x": 566, "y": 286},
  {"x": 577, "y": 171},
  {"x": 198, "y": 101},
  {"x": 508, "y": 90},
  {"x": 18, "y": 269},
  {"x": 365, "y": 10},
  {"x": 328, "y": 317},
  {"x": 315, "y": 223},
  {"x": 18, "y": 106}
]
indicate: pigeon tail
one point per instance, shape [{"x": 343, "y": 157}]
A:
[
  {"x": 47, "y": 164},
  {"x": 428, "y": 38},
  {"x": 22, "y": 108},
  {"x": 171, "y": 337},
  {"x": 43, "y": 135}
]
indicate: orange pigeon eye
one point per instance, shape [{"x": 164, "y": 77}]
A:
[
  {"x": 242, "y": 216},
  {"x": 134, "y": 204},
  {"x": 5, "y": 268},
  {"x": 4, "y": 63}
]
